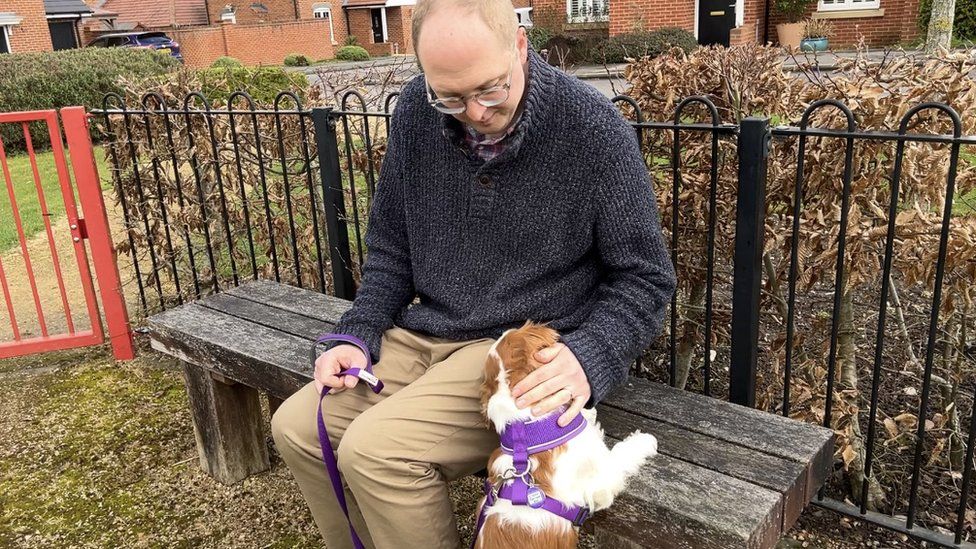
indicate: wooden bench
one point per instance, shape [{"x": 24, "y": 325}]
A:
[{"x": 726, "y": 476}]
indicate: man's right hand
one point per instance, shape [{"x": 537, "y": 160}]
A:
[{"x": 336, "y": 359}]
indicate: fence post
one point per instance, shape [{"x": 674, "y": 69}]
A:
[
  {"x": 334, "y": 202},
  {"x": 75, "y": 122},
  {"x": 754, "y": 139}
]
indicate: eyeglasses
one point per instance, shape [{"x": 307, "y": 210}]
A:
[{"x": 491, "y": 97}]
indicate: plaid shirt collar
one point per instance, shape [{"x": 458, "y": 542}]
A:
[{"x": 487, "y": 147}]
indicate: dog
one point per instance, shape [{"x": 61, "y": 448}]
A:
[{"x": 579, "y": 476}]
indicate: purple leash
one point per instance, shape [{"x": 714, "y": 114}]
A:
[{"x": 328, "y": 455}]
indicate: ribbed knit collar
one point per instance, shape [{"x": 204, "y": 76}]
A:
[{"x": 538, "y": 88}]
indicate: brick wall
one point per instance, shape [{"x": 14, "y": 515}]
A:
[
  {"x": 306, "y": 9},
  {"x": 261, "y": 44},
  {"x": 278, "y": 10},
  {"x": 629, "y": 15},
  {"x": 899, "y": 24},
  {"x": 398, "y": 29},
  {"x": 361, "y": 26},
  {"x": 32, "y": 34}
]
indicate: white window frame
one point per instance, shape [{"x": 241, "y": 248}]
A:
[
  {"x": 5, "y": 31},
  {"x": 848, "y": 5},
  {"x": 601, "y": 18},
  {"x": 325, "y": 12}
]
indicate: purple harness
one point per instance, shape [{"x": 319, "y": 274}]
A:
[
  {"x": 520, "y": 440},
  {"x": 328, "y": 455}
]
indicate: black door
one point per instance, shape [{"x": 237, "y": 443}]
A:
[
  {"x": 4, "y": 46},
  {"x": 377, "y": 16},
  {"x": 715, "y": 19},
  {"x": 63, "y": 35}
]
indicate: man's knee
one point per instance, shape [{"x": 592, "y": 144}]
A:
[{"x": 359, "y": 450}]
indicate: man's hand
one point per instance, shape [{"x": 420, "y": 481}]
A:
[
  {"x": 336, "y": 359},
  {"x": 560, "y": 380}
]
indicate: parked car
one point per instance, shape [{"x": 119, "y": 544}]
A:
[{"x": 149, "y": 40}]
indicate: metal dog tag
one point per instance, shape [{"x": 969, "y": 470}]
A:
[{"x": 535, "y": 497}]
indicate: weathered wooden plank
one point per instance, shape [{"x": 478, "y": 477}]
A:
[
  {"x": 769, "y": 433},
  {"x": 778, "y": 474},
  {"x": 246, "y": 352},
  {"x": 674, "y": 504},
  {"x": 227, "y": 426},
  {"x": 305, "y": 302},
  {"x": 266, "y": 315}
]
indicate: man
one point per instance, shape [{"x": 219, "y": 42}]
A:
[{"x": 510, "y": 192}]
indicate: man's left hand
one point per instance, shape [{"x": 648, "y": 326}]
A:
[{"x": 558, "y": 381}]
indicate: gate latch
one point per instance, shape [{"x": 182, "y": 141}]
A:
[{"x": 81, "y": 229}]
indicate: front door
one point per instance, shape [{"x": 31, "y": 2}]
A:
[
  {"x": 63, "y": 35},
  {"x": 715, "y": 19},
  {"x": 377, "y": 17}
]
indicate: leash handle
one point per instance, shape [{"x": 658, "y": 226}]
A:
[
  {"x": 325, "y": 443},
  {"x": 365, "y": 374}
]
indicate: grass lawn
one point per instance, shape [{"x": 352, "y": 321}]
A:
[{"x": 28, "y": 206}]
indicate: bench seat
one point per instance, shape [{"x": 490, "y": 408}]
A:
[{"x": 726, "y": 476}]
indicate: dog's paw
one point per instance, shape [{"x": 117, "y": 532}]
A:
[{"x": 642, "y": 444}]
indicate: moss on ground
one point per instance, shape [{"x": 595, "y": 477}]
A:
[{"x": 99, "y": 454}]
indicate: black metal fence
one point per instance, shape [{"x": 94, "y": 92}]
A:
[{"x": 211, "y": 198}]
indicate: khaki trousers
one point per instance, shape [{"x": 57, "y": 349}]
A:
[{"x": 396, "y": 450}]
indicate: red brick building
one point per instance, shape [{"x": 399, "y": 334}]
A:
[
  {"x": 41, "y": 25},
  {"x": 880, "y": 22}
]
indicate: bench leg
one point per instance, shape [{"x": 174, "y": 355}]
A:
[
  {"x": 227, "y": 424},
  {"x": 273, "y": 403}
]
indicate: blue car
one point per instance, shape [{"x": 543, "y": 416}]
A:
[{"x": 147, "y": 40}]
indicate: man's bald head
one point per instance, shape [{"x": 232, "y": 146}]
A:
[{"x": 497, "y": 15}]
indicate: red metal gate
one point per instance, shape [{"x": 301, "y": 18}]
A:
[{"x": 93, "y": 228}]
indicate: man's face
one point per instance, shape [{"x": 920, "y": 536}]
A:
[{"x": 461, "y": 57}]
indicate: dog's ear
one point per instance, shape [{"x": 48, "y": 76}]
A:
[{"x": 490, "y": 385}]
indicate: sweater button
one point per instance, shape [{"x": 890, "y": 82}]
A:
[{"x": 485, "y": 181}]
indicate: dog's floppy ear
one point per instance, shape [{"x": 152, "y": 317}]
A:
[
  {"x": 493, "y": 365},
  {"x": 520, "y": 348}
]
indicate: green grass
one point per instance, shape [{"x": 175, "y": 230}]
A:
[{"x": 25, "y": 193}]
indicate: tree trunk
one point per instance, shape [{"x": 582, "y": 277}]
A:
[
  {"x": 850, "y": 395},
  {"x": 688, "y": 339},
  {"x": 940, "y": 26}
]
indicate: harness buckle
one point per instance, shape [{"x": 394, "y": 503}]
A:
[{"x": 581, "y": 516}]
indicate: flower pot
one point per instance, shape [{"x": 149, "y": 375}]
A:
[
  {"x": 789, "y": 34},
  {"x": 813, "y": 44}
]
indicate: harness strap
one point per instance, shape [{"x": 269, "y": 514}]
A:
[{"x": 328, "y": 454}]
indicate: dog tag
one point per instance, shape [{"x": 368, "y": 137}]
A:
[{"x": 535, "y": 497}]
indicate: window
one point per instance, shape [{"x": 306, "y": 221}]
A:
[
  {"x": 837, "y": 5},
  {"x": 4, "y": 39},
  {"x": 325, "y": 12},
  {"x": 587, "y": 11}
]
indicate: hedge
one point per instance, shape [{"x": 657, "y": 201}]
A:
[
  {"x": 643, "y": 44},
  {"x": 51, "y": 80},
  {"x": 352, "y": 53}
]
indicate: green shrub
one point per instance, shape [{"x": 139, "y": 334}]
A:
[
  {"x": 538, "y": 37},
  {"x": 225, "y": 61},
  {"x": 263, "y": 84},
  {"x": 51, "y": 80},
  {"x": 794, "y": 10},
  {"x": 963, "y": 24},
  {"x": 352, "y": 53},
  {"x": 643, "y": 44},
  {"x": 296, "y": 60},
  {"x": 351, "y": 40}
]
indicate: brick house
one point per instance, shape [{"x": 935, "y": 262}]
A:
[
  {"x": 880, "y": 22},
  {"x": 41, "y": 25}
]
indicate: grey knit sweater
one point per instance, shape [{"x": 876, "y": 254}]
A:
[{"x": 562, "y": 227}]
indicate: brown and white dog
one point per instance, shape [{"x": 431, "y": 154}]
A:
[{"x": 581, "y": 472}]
